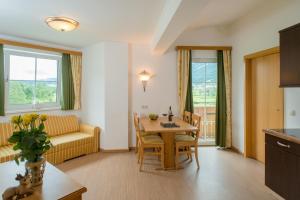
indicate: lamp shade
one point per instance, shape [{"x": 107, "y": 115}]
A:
[
  {"x": 62, "y": 24},
  {"x": 144, "y": 76}
]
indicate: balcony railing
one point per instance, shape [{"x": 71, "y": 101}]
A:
[
  {"x": 208, "y": 123},
  {"x": 208, "y": 130}
]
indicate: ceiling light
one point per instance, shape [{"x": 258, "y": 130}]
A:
[{"x": 62, "y": 24}]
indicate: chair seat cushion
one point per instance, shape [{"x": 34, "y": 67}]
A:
[
  {"x": 145, "y": 133},
  {"x": 184, "y": 138},
  {"x": 70, "y": 140},
  {"x": 152, "y": 139},
  {"x": 7, "y": 153},
  {"x": 181, "y": 133}
]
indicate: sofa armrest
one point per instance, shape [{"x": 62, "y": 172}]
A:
[{"x": 93, "y": 130}]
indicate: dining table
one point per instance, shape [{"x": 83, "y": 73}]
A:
[{"x": 168, "y": 135}]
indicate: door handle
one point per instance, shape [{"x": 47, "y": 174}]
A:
[{"x": 283, "y": 145}]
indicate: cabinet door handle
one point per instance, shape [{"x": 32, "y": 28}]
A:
[{"x": 283, "y": 145}]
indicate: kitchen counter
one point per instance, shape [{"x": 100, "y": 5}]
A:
[
  {"x": 282, "y": 163},
  {"x": 292, "y": 135}
]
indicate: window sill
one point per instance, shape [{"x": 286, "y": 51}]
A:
[{"x": 32, "y": 110}]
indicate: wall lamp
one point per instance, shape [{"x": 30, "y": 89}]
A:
[{"x": 144, "y": 77}]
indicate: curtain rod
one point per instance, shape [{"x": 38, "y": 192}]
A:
[
  {"x": 40, "y": 47},
  {"x": 204, "y": 47}
]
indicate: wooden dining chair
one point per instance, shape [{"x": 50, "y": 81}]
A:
[
  {"x": 184, "y": 143},
  {"x": 148, "y": 142},
  {"x": 187, "y": 116},
  {"x": 142, "y": 133}
]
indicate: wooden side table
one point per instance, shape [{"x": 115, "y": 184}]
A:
[{"x": 56, "y": 184}]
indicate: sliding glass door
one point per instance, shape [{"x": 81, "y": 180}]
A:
[{"x": 204, "y": 81}]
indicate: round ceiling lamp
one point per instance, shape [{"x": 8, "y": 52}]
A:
[{"x": 62, "y": 24}]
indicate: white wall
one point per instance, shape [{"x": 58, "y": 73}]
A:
[
  {"x": 116, "y": 96},
  {"x": 254, "y": 32},
  {"x": 161, "y": 91},
  {"x": 93, "y": 87},
  {"x": 7, "y": 117},
  {"x": 105, "y": 92},
  {"x": 206, "y": 36},
  {"x": 292, "y": 108}
]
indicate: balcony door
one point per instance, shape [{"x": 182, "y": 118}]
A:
[{"x": 204, "y": 82}]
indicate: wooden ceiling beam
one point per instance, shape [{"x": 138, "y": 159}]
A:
[
  {"x": 204, "y": 47},
  {"x": 40, "y": 47}
]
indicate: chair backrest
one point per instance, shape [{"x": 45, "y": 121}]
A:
[
  {"x": 137, "y": 124},
  {"x": 196, "y": 121},
  {"x": 187, "y": 116}
]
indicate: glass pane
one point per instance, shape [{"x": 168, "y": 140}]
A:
[
  {"x": 21, "y": 68},
  {"x": 210, "y": 112},
  {"x": 46, "y": 70},
  {"x": 46, "y": 91},
  {"x": 211, "y": 72},
  {"x": 211, "y": 93},
  {"x": 204, "y": 95},
  {"x": 46, "y": 85},
  {"x": 21, "y": 92},
  {"x": 198, "y": 94},
  {"x": 198, "y": 72}
]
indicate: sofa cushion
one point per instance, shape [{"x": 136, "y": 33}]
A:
[
  {"x": 70, "y": 140},
  {"x": 59, "y": 125},
  {"x": 7, "y": 153},
  {"x": 6, "y": 130}
]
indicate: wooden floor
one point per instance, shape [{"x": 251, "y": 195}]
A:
[{"x": 222, "y": 175}]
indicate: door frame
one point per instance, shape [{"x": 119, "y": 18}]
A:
[{"x": 247, "y": 96}]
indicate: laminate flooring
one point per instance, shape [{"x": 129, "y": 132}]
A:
[{"x": 222, "y": 175}]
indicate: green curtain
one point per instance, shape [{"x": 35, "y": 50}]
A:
[
  {"x": 68, "y": 96},
  {"x": 189, "y": 105},
  {"x": 2, "y": 82},
  {"x": 221, "y": 117}
]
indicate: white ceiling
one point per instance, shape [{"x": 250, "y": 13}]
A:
[
  {"x": 133, "y": 21},
  {"x": 112, "y": 20},
  {"x": 223, "y": 12}
]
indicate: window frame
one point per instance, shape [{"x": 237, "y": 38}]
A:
[{"x": 36, "y": 54}]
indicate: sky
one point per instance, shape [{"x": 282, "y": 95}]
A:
[{"x": 23, "y": 68}]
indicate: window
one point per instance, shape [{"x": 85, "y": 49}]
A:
[
  {"x": 32, "y": 81},
  {"x": 204, "y": 82}
]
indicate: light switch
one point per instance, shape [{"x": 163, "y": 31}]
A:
[
  {"x": 293, "y": 113},
  {"x": 144, "y": 106}
]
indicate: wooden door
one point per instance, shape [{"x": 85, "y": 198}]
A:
[{"x": 265, "y": 102}]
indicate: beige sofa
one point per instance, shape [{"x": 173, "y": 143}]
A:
[{"x": 69, "y": 138}]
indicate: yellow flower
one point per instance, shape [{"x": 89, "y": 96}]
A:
[
  {"x": 16, "y": 119},
  {"x": 34, "y": 116},
  {"x": 27, "y": 118},
  {"x": 43, "y": 117}
]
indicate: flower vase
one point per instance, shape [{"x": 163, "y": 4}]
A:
[{"x": 36, "y": 171}]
